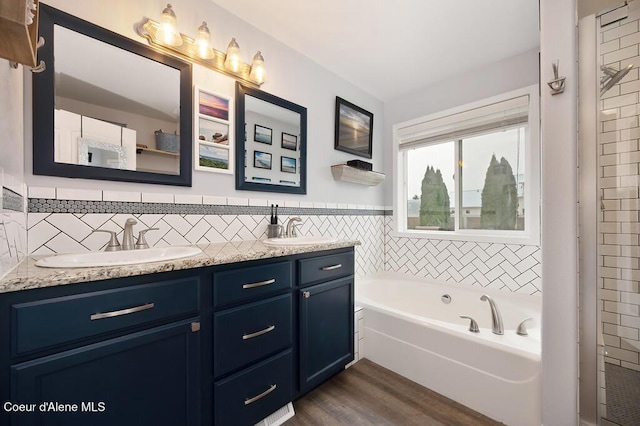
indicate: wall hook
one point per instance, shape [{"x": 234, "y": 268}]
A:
[{"x": 557, "y": 84}]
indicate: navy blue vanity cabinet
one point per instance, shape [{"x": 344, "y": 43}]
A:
[
  {"x": 144, "y": 378},
  {"x": 124, "y": 351},
  {"x": 252, "y": 341},
  {"x": 325, "y": 317}
]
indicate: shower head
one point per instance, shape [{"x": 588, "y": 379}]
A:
[{"x": 612, "y": 76}]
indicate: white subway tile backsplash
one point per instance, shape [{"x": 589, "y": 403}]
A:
[
  {"x": 121, "y": 196},
  {"x": 619, "y": 32},
  {"x": 154, "y": 197},
  {"x": 214, "y": 200},
  {"x": 78, "y": 194},
  {"x": 42, "y": 192},
  {"x": 262, "y": 202},
  {"x": 235, "y": 201},
  {"x": 187, "y": 199},
  {"x": 620, "y": 54}
]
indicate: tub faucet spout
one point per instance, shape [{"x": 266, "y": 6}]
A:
[{"x": 496, "y": 318}]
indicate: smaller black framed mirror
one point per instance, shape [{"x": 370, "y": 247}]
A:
[
  {"x": 271, "y": 143},
  {"x": 108, "y": 107}
]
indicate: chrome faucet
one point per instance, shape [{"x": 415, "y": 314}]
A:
[
  {"x": 127, "y": 237},
  {"x": 496, "y": 318},
  {"x": 291, "y": 227}
]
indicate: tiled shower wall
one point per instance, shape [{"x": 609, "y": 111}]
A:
[
  {"x": 509, "y": 267},
  {"x": 63, "y": 221},
  {"x": 619, "y": 158}
]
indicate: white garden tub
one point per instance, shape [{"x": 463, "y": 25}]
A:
[{"x": 409, "y": 330}]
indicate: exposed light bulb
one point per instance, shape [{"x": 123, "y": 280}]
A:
[
  {"x": 258, "y": 73},
  {"x": 202, "y": 42},
  {"x": 168, "y": 33},
  {"x": 233, "y": 61}
]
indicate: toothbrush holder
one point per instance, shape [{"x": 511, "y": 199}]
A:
[{"x": 274, "y": 230}]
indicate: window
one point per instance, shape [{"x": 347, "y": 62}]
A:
[{"x": 471, "y": 173}]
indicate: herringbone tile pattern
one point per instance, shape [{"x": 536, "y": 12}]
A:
[
  {"x": 69, "y": 232},
  {"x": 499, "y": 266}
]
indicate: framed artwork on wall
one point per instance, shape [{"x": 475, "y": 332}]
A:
[
  {"x": 353, "y": 129},
  {"x": 213, "y": 123}
]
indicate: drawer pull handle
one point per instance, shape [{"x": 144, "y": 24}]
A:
[
  {"x": 259, "y": 283},
  {"x": 122, "y": 312},
  {"x": 332, "y": 267},
  {"x": 258, "y": 333},
  {"x": 262, "y": 395}
]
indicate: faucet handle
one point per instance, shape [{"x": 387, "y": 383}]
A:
[
  {"x": 113, "y": 244},
  {"x": 141, "y": 242},
  {"x": 522, "y": 330},
  {"x": 473, "y": 325}
]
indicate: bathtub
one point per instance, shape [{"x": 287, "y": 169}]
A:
[{"x": 409, "y": 330}]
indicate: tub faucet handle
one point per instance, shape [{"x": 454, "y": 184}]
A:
[
  {"x": 473, "y": 325},
  {"x": 522, "y": 330}
]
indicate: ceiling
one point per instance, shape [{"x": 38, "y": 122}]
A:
[{"x": 389, "y": 48}]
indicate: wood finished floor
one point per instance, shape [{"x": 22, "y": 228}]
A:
[{"x": 368, "y": 394}]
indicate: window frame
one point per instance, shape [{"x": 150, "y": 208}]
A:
[{"x": 532, "y": 199}]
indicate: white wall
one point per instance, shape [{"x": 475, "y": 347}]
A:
[
  {"x": 290, "y": 75},
  {"x": 559, "y": 216},
  {"x": 500, "y": 77}
]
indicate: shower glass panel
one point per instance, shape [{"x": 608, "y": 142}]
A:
[{"x": 618, "y": 156}]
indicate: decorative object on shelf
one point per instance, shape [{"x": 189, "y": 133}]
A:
[
  {"x": 213, "y": 124},
  {"x": 165, "y": 36},
  {"x": 351, "y": 174},
  {"x": 359, "y": 164},
  {"x": 167, "y": 141},
  {"x": 557, "y": 84},
  {"x": 19, "y": 28},
  {"x": 354, "y": 129}
]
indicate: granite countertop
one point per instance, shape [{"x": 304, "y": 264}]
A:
[{"x": 26, "y": 275}]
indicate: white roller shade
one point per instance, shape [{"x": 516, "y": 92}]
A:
[{"x": 500, "y": 115}]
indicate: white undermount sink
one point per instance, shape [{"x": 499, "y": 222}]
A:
[
  {"x": 303, "y": 240},
  {"x": 117, "y": 258}
]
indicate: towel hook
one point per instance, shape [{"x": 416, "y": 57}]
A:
[{"x": 557, "y": 84}]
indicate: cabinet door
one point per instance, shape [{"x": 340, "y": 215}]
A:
[
  {"x": 144, "y": 378},
  {"x": 325, "y": 330}
]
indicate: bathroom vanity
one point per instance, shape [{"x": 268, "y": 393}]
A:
[{"x": 229, "y": 338}]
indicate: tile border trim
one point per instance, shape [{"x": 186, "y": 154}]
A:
[
  {"x": 12, "y": 200},
  {"x": 46, "y": 205}
]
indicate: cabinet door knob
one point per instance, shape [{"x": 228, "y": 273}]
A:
[
  {"x": 195, "y": 326},
  {"x": 306, "y": 294}
]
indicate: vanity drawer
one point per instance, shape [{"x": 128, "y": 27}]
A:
[
  {"x": 254, "y": 393},
  {"x": 325, "y": 268},
  {"x": 247, "y": 283},
  {"x": 250, "y": 332},
  {"x": 49, "y": 322}
]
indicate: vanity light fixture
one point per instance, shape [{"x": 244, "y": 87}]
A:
[
  {"x": 165, "y": 37},
  {"x": 202, "y": 42},
  {"x": 232, "y": 61},
  {"x": 168, "y": 32},
  {"x": 258, "y": 73}
]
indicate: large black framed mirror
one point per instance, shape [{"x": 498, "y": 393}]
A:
[
  {"x": 271, "y": 143},
  {"x": 108, "y": 107}
]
